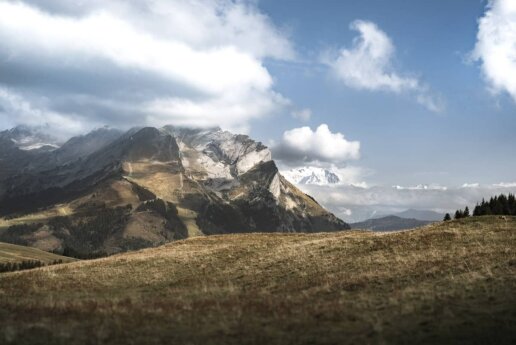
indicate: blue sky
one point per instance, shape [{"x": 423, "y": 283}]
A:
[
  {"x": 411, "y": 103},
  {"x": 470, "y": 141}
]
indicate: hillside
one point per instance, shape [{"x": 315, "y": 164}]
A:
[
  {"x": 452, "y": 282},
  {"x": 389, "y": 223},
  {"x": 14, "y": 253}
]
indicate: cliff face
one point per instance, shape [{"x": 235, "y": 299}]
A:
[{"x": 150, "y": 186}]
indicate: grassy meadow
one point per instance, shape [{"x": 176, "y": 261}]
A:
[
  {"x": 450, "y": 282},
  {"x": 15, "y": 254}
]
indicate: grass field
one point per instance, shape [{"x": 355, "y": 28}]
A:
[
  {"x": 451, "y": 282},
  {"x": 14, "y": 253}
]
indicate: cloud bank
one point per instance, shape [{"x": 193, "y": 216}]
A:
[
  {"x": 496, "y": 46},
  {"x": 368, "y": 65},
  {"x": 353, "y": 203},
  {"x": 197, "y": 63}
]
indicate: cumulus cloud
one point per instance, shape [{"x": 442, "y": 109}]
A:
[
  {"x": 368, "y": 65},
  {"x": 156, "y": 62},
  {"x": 302, "y": 114},
  {"x": 496, "y": 46},
  {"x": 302, "y": 145}
]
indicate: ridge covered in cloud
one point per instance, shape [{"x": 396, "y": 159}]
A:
[
  {"x": 368, "y": 65},
  {"x": 304, "y": 145},
  {"x": 197, "y": 63},
  {"x": 496, "y": 46}
]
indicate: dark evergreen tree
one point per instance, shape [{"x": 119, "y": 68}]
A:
[
  {"x": 465, "y": 214},
  {"x": 447, "y": 217},
  {"x": 497, "y": 205}
]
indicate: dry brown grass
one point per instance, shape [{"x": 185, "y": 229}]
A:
[
  {"x": 14, "y": 253},
  {"x": 447, "y": 283}
]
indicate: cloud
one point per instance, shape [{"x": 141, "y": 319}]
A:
[
  {"x": 380, "y": 200},
  {"x": 505, "y": 185},
  {"x": 13, "y": 105},
  {"x": 302, "y": 145},
  {"x": 302, "y": 114},
  {"x": 470, "y": 185},
  {"x": 496, "y": 48},
  {"x": 131, "y": 63},
  {"x": 432, "y": 186},
  {"x": 368, "y": 65}
]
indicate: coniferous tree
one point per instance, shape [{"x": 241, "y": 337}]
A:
[
  {"x": 447, "y": 217},
  {"x": 458, "y": 214},
  {"x": 465, "y": 214},
  {"x": 497, "y": 205}
]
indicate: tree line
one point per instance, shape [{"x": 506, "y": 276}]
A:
[
  {"x": 24, "y": 265},
  {"x": 500, "y": 205}
]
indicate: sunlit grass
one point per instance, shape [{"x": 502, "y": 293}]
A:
[{"x": 448, "y": 282}]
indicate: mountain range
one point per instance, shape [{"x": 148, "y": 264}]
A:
[{"x": 110, "y": 191}]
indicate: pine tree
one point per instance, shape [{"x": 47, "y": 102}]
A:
[
  {"x": 458, "y": 214},
  {"x": 466, "y": 212},
  {"x": 447, "y": 217}
]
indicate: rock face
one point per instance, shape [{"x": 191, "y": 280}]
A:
[{"x": 149, "y": 186}]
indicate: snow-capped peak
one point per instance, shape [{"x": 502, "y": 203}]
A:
[
  {"x": 30, "y": 138},
  {"x": 311, "y": 175}
]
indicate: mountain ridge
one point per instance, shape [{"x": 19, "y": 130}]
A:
[
  {"x": 389, "y": 223},
  {"x": 152, "y": 185}
]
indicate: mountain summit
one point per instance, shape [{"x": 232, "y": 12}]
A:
[
  {"x": 149, "y": 186},
  {"x": 311, "y": 175}
]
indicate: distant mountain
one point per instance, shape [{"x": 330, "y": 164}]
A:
[
  {"x": 30, "y": 138},
  {"x": 389, "y": 223},
  {"x": 421, "y": 215},
  {"x": 84, "y": 145},
  {"x": 311, "y": 175},
  {"x": 107, "y": 192}
]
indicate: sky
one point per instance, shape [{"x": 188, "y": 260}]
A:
[{"x": 411, "y": 103}]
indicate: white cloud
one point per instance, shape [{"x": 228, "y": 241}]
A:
[
  {"x": 378, "y": 200},
  {"x": 302, "y": 114},
  {"x": 368, "y": 65},
  {"x": 432, "y": 186},
  {"x": 505, "y": 185},
  {"x": 62, "y": 125},
  {"x": 496, "y": 46},
  {"x": 306, "y": 145},
  {"x": 470, "y": 185},
  {"x": 204, "y": 55}
]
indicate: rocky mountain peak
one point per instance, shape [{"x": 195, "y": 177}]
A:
[
  {"x": 30, "y": 138},
  {"x": 163, "y": 184}
]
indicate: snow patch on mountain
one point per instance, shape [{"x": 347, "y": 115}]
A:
[{"x": 311, "y": 175}]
